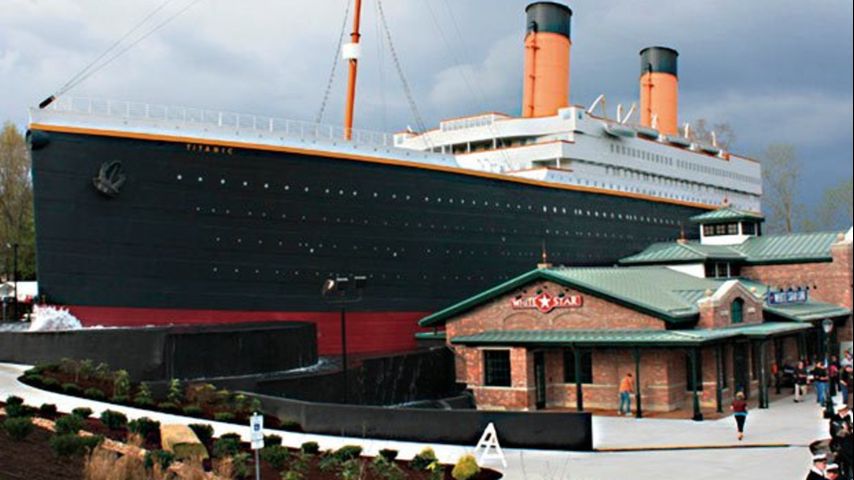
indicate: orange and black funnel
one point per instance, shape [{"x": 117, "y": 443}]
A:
[
  {"x": 547, "y": 42},
  {"x": 659, "y": 89}
]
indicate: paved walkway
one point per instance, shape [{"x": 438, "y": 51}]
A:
[{"x": 789, "y": 425}]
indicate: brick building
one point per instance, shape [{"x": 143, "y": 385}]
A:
[{"x": 694, "y": 322}]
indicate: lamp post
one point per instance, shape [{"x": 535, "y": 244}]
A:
[
  {"x": 335, "y": 290},
  {"x": 827, "y": 326}
]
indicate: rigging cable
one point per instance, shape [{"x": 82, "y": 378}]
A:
[
  {"x": 319, "y": 117},
  {"x": 95, "y": 67},
  {"x": 418, "y": 122}
]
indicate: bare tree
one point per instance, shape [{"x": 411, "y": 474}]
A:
[
  {"x": 781, "y": 174},
  {"x": 16, "y": 202},
  {"x": 724, "y": 134},
  {"x": 835, "y": 209}
]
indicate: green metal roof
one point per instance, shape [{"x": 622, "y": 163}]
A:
[
  {"x": 627, "y": 338},
  {"x": 724, "y": 215},
  {"x": 795, "y": 247},
  {"x": 807, "y": 312}
]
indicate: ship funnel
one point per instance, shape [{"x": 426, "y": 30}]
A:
[
  {"x": 659, "y": 89},
  {"x": 547, "y": 42}
]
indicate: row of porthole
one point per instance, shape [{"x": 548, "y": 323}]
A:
[
  {"x": 427, "y": 199},
  {"x": 383, "y": 276}
]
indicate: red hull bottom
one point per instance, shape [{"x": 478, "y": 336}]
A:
[{"x": 367, "y": 332}]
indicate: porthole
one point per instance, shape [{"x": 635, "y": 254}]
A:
[
  {"x": 222, "y": 181},
  {"x": 200, "y": 179},
  {"x": 179, "y": 177}
]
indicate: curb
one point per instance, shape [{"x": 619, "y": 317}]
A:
[{"x": 692, "y": 447}]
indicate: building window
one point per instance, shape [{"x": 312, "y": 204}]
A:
[
  {"x": 737, "y": 311},
  {"x": 689, "y": 379},
  {"x": 569, "y": 367},
  {"x": 708, "y": 230},
  {"x": 748, "y": 228},
  {"x": 732, "y": 229},
  {"x": 496, "y": 365}
]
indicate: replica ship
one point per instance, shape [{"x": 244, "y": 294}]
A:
[{"x": 155, "y": 215}]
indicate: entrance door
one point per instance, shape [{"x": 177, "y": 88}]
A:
[
  {"x": 540, "y": 379},
  {"x": 741, "y": 368}
]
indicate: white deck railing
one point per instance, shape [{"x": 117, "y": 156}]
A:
[{"x": 188, "y": 117}]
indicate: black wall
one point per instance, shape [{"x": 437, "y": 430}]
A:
[
  {"x": 550, "y": 430},
  {"x": 388, "y": 380},
  {"x": 173, "y": 352}
]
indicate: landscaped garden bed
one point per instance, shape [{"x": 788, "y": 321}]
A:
[{"x": 111, "y": 443}]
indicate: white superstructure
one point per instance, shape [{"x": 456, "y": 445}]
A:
[{"x": 578, "y": 148}]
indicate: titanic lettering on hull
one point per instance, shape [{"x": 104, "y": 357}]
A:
[{"x": 545, "y": 303}]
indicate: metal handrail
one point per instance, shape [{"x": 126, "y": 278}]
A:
[{"x": 199, "y": 117}]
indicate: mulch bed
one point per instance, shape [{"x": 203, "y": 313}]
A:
[{"x": 32, "y": 459}]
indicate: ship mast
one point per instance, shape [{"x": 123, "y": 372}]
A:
[{"x": 350, "y": 52}]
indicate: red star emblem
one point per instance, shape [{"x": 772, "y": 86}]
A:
[{"x": 544, "y": 302}]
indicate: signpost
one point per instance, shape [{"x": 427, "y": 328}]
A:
[{"x": 256, "y": 437}]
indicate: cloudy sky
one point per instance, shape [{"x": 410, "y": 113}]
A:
[{"x": 776, "y": 70}]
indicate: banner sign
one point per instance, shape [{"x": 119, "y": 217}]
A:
[
  {"x": 787, "y": 297},
  {"x": 545, "y": 303}
]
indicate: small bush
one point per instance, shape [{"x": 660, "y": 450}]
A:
[
  {"x": 34, "y": 379},
  {"x": 226, "y": 447},
  {"x": 18, "y": 428},
  {"x": 94, "y": 393},
  {"x": 168, "y": 407},
  {"x": 292, "y": 475},
  {"x": 102, "y": 371},
  {"x": 143, "y": 395},
  {"x": 240, "y": 463},
  {"x": 388, "y": 454},
  {"x": 50, "y": 384},
  {"x": 310, "y": 448},
  {"x": 82, "y": 412},
  {"x": 465, "y": 468},
  {"x": 68, "y": 425},
  {"x": 69, "y": 444},
  {"x": 193, "y": 411},
  {"x": 175, "y": 394},
  {"x": 144, "y": 427},
  {"x": 17, "y": 410},
  {"x": 121, "y": 384},
  {"x": 348, "y": 452},
  {"x": 226, "y": 417},
  {"x": 386, "y": 469},
  {"x": 114, "y": 420},
  {"x": 47, "y": 410},
  {"x": 271, "y": 440},
  {"x": 159, "y": 457},
  {"x": 71, "y": 389},
  {"x": 203, "y": 431},
  {"x": 329, "y": 463},
  {"x": 275, "y": 455},
  {"x": 120, "y": 399},
  {"x": 14, "y": 400},
  {"x": 423, "y": 459},
  {"x": 290, "y": 426},
  {"x": 231, "y": 436}
]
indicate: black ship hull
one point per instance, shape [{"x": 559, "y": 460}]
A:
[{"x": 153, "y": 230}]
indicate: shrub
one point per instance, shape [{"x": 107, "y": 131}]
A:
[
  {"x": 33, "y": 379},
  {"x": 240, "y": 463},
  {"x": 348, "y": 452},
  {"x": 175, "y": 394},
  {"x": 144, "y": 426},
  {"x": 120, "y": 399},
  {"x": 193, "y": 411},
  {"x": 68, "y": 366},
  {"x": 388, "y": 454},
  {"x": 68, "y": 425},
  {"x": 424, "y": 458},
  {"x": 351, "y": 470},
  {"x": 226, "y": 447},
  {"x": 227, "y": 417},
  {"x": 70, "y": 444},
  {"x": 16, "y": 410},
  {"x": 47, "y": 410},
  {"x": 167, "y": 407},
  {"x": 102, "y": 371},
  {"x": 82, "y": 412},
  {"x": 18, "y": 428},
  {"x": 387, "y": 470},
  {"x": 203, "y": 431},
  {"x": 94, "y": 393},
  {"x": 329, "y": 463},
  {"x": 14, "y": 400},
  {"x": 71, "y": 389},
  {"x": 275, "y": 455},
  {"x": 292, "y": 475},
  {"x": 272, "y": 440},
  {"x": 310, "y": 448},
  {"x": 50, "y": 383},
  {"x": 160, "y": 457},
  {"x": 290, "y": 425},
  {"x": 231, "y": 436},
  {"x": 465, "y": 468},
  {"x": 86, "y": 368},
  {"x": 121, "y": 384},
  {"x": 114, "y": 420},
  {"x": 143, "y": 396},
  {"x": 201, "y": 393}
]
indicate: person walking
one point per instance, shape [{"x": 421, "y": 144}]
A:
[
  {"x": 845, "y": 383},
  {"x": 819, "y": 374},
  {"x": 739, "y": 409},
  {"x": 626, "y": 388},
  {"x": 800, "y": 381}
]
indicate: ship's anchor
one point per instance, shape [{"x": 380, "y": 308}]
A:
[{"x": 110, "y": 178}]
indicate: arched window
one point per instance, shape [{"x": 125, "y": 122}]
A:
[{"x": 737, "y": 310}]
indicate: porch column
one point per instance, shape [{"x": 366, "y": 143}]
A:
[
  {"x": 763, "y": 380},
  {"x": 579, "y": 391},
  {"x": 638, "y": 412},
  {"x": 778, "y": 360},
  {"x": 698, "y": 415},
  {"x": 719, "y": 379}
]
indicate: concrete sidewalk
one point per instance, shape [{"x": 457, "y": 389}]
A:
[{"x": 785, "y": 423}]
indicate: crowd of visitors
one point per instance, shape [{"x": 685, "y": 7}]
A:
[{"x": 831, "y": 460}]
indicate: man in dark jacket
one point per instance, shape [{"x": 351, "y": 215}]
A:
[{"x": 819, "y": 463}]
